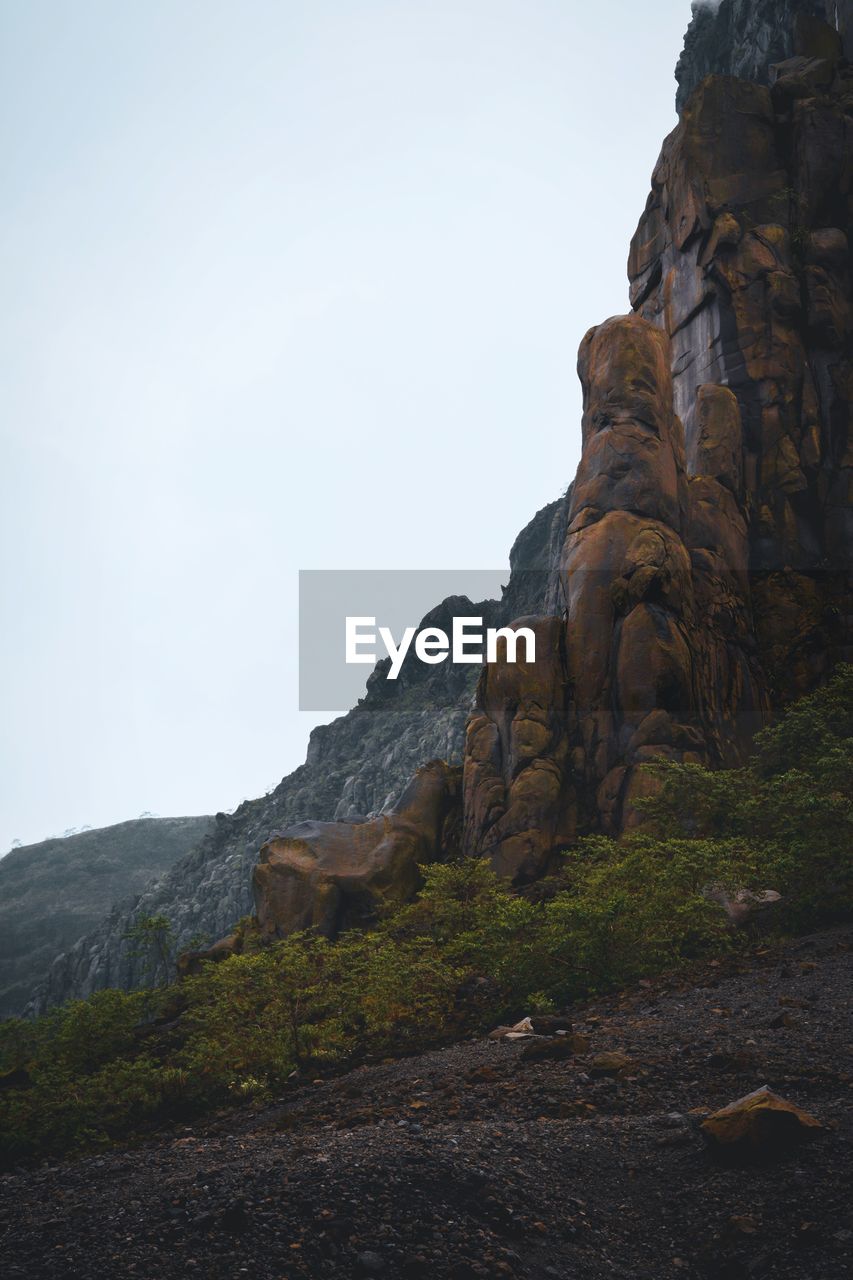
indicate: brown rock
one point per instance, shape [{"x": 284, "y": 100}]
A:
[
  {"x": 707, "y": 554},
  {"x": 580, "y": 1043},
  {"x": 716, "y": 448},
  {"x": 519, "y": 797},
  {"x": 760, "y": 1123},
  {"x": 546, "y": 1024},
  {"x": 191, "y": 962},
  {"x": 323, "y": 875},
  {"x": 554, "y": 1049}
]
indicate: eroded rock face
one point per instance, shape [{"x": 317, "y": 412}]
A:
[
  {"x": 519, "y": 798},
  {"x": 704, "y": 556},
  {"x": 654, "y": 655},
  {"x": 746, "y": 38},
  {"x": 742, "y": 256},
  {"x": 698, "y": 574},
  {"x": 626, "y": 570},
  {"x": 706, "y": 568},
  {"x": 326, "y": 875}
]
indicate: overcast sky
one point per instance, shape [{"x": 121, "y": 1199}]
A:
[{"x": 285, "y": 284}]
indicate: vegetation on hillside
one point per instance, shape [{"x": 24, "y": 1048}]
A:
[{"x": 469, "y": 952}]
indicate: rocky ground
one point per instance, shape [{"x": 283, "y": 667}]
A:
[{"x": 475, "y": 1162}]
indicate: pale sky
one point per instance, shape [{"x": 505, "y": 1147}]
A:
[{"x": 287, "y": 284}]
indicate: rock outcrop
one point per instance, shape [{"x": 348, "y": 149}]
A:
[
  {"x": 519, "y": 800},
  {"x": 742, "y": 256},
  {"x": 653, "y": 657},
  {"x": 330, "y": 875},
  {"x": 759, "y": 1125},
  {"x": 706, "y": 569},
  {"x": 696, "y": 576},
  {"x": 705, "y": 561},
  {"x": 745, "y": 38}
]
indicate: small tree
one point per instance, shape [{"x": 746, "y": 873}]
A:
[{"x": 154, "y": 943}]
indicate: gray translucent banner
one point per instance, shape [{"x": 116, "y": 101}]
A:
[{"x": 396, "y": 600}]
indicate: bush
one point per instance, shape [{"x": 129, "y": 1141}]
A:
[{"x": 467, "y": 953}]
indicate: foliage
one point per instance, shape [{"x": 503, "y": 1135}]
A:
[
  {"x": 468, "y": 952},
  {"x": 153, "y": 942},
  {"x": 794, "y": 802}
]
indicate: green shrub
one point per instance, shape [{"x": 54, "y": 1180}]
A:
[{"x": 469, "y": 952}]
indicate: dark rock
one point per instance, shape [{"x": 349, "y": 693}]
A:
[
  {"x": 746, "y": 38},
  {"x": 370, "y": 1263},
  {"x": 557, "y": 1049},
  {"x": 550, "y": 1024}
]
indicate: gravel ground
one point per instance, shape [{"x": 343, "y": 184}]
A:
[{"x": 471, "y": 1162}]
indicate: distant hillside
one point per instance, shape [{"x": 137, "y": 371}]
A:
[{"x": 54, "y": 892}]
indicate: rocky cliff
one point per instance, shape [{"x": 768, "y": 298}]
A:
[
  {"x": 696, "y": 576},
  {"x": 705, "y": 566},
  {"x": 745, "y": 38},
  {"x": 55, "y": 892}
]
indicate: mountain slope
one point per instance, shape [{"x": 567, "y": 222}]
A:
[
  {"x": 54, "y": 892},
  {"x": 475, "y": 1161}
]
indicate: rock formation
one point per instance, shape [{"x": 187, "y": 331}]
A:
[
  {"x": 696, "y": 576},
  {"x": 742, "y": 256},
  {"x": 745, "y": 38},
  {"x": 707, "y": 564},
  {"x": 760, "y": 1124},
  {"x": 328, "y": 875},
  {"x": 705, "y": 568}
]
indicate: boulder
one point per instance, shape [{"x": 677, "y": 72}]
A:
[
  {"x": 191, "y": 962},
  {"x": 742, "y": 906},
  {"x": 554, "y": 1049},
  {"x": 551, "y": 1024},
  {"x": 328, "y": 875},
  {"x": 761, "y": 1123}
]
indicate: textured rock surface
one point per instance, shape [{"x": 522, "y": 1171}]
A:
[
  {"x": 653, "y": 657},
  {"x": 330, "y": 875},
  {"x": 761, "y": 1123},
  {"x": 54, "y": 892},
  {"x": 706, "y": 569},
  {"x": 742, "y": 256},
  {"x": 519, "y": 798},
  {"x": 746, "y": 37}
]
